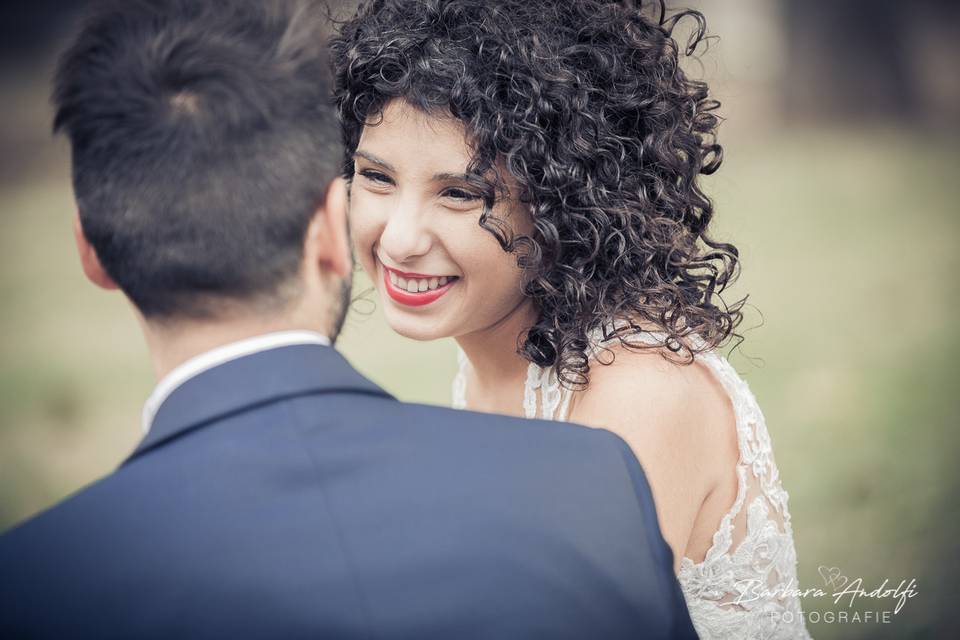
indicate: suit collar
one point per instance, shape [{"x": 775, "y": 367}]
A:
[
  {"x": 217, "y": 356},
  {"x": 250, "y": 380}
]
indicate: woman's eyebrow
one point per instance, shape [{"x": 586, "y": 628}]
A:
[
  {"x": 463, "y": 177},
  {"x": 453, "y": 176},
  {"x": 374, "y": 159}
]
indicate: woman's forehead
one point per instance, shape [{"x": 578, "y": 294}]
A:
[{"x": 405, "y": 135}]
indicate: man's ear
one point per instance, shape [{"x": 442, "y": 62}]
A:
[
  {"x": 328, "y": 239},
  {"x": 88, "y": 258}
]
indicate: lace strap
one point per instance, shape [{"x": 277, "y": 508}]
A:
[
  {"x": 530, "y": 387},
  {"x": 459, "y": 387}
]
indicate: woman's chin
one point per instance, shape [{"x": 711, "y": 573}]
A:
[
  {"x": 420, "y": 334},
  {"x": 414, "y": 328}
]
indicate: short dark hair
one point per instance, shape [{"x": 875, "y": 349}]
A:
[
  {"x": 585, "y": 104},
  {"x": 203, "y": 140}
]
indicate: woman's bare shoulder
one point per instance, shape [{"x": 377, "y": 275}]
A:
[
  {"x": 679, "y": 423},
  {"x": 650, "y": 398}
]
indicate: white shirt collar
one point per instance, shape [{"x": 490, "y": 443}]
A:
[{"x": 215, "y": 357}]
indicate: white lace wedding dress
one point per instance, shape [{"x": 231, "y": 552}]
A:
[{"x": 746, "y": 586}]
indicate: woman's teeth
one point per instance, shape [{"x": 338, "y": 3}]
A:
[{"x": 417, "y": 285}]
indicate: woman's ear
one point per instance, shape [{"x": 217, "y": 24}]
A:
[
  {"x": 328, "y": 237},
  {"x": 89, "y": 260}
]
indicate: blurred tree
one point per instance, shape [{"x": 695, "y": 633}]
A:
[{"x": 872, "y": 59}]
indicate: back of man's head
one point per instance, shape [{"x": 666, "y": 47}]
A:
[{"x": 203, "y": 140}]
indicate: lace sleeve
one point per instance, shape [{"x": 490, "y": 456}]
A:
[{"x": 746, "y": 584}]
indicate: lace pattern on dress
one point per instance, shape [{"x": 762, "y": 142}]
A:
[{"x": 746, "y": 585}]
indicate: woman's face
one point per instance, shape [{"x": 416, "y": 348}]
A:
[{"x": 414, "y": 218}]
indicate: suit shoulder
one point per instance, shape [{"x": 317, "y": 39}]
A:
[
  {"x": 497, "y": 427},
  {"x": 79, "y": 509}
]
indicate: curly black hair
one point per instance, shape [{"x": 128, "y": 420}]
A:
[{"x": 586, "y": 106}]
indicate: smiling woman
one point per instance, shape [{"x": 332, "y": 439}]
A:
[
  {"x": 415, "y": 225},
  {"x": 544, "y": 158}
]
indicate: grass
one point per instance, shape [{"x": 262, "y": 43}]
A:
[{"x": 849, "y": 256}]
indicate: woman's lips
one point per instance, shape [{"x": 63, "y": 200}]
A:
[{"x": 408, "y": 298}]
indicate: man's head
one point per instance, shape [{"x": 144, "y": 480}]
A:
[{"x": 206, "y": 155}]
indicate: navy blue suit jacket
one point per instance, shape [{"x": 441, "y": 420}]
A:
[{"x": 282, "y": 495}]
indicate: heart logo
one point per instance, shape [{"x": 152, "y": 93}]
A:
[{"x": 832, "y": 576}]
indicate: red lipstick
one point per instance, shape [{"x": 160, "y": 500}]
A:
[{"x": 413, "y": 299}]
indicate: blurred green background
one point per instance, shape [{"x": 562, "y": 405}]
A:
[{"x": 839, "y": 186}]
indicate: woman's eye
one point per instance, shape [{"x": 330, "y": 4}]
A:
[
  {"x": 376, "y": 176},
  {"x": 460, "y": 194}
]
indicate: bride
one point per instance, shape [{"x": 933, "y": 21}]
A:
[{"x": 524, "y": 180}]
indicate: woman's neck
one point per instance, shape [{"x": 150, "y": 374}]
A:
[{"x": 497, "y": 372}]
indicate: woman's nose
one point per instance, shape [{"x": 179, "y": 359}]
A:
[{"x": 405, "y": 236}]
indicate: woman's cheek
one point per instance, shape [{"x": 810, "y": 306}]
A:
[{"x": 495, "y": 271}]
